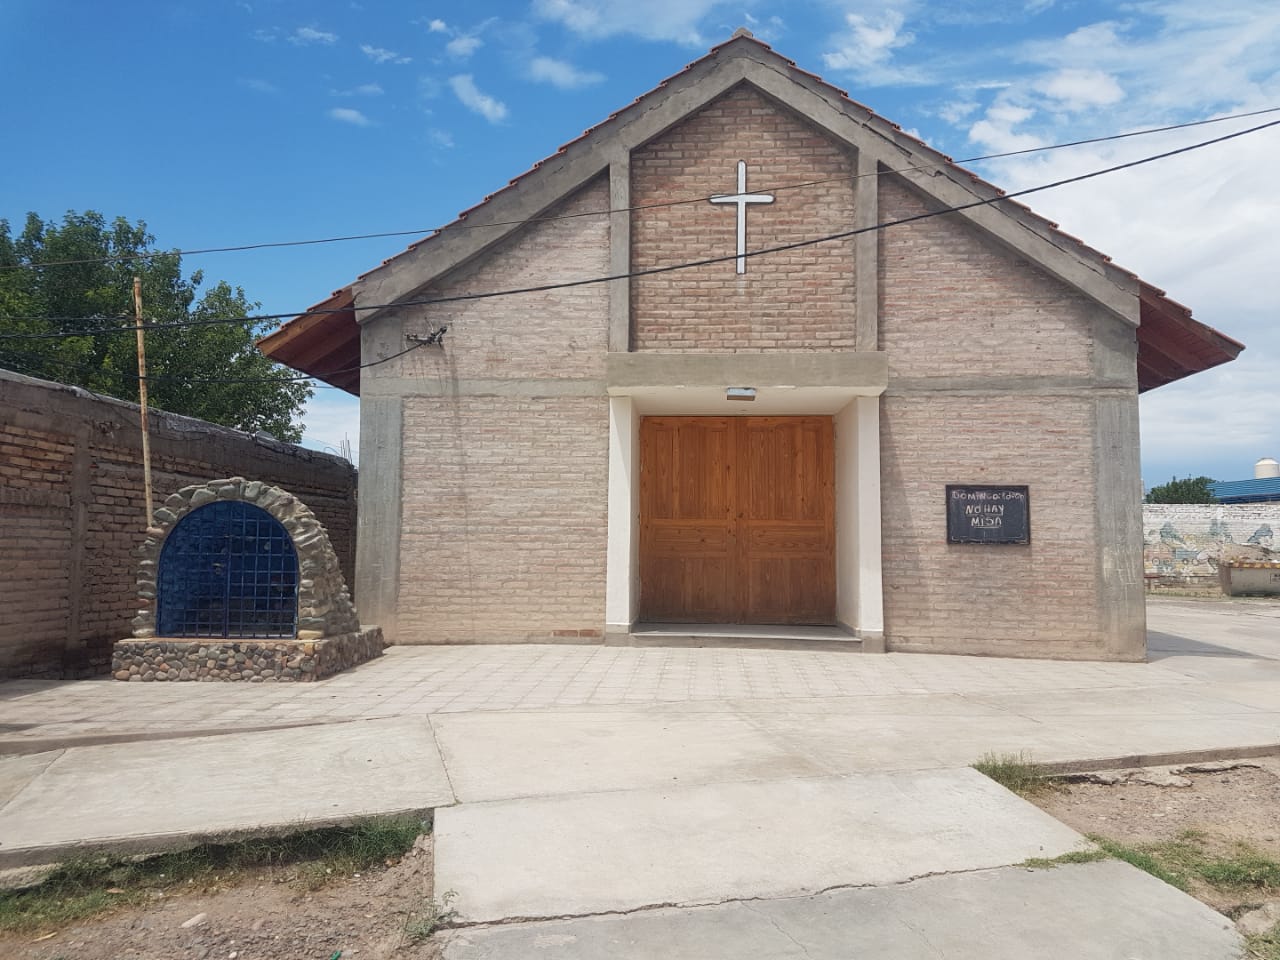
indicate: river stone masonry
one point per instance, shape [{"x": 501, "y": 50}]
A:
[
  {"x": 255, "y": 661},
  {"x": 329, "y": 636}
]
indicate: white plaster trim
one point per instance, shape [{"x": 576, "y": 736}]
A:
[
  {"x": 859, "y": 591},
  {"x": 622, "y": 557},
  {"x": 870, "y": 619}
]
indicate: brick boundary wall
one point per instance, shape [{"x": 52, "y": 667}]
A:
[
  {"x": 72, "y": 514},
  {"x": 1184, "y": 543}
]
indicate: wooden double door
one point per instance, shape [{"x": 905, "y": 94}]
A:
[{"x": 737, "y": 520}]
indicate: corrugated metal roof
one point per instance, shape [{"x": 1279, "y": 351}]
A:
[{"x": 1246, "y": 491}]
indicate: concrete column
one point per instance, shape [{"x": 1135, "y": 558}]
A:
[
  {"x": 377, "y": 587},
  {"x": 622, "y": 559},
  {"x": 1117, "y": 502},
  {"x": 74, "y": 653},
  {"x": 620, "y": 253},
  {"x": 870, "y": 622},
  {"x": 866, "y": 253}
]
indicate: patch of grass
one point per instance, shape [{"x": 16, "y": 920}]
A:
[
  {"x": 433, "y": 915},
  {"x": 1014, "y": 771},
  {"x": 1245, "y": 868},
  {"x": 1180, "y": 860},
  {"x": 1265, "y": 946},
  {"x": 1144, "y": 858},
  {"x": 83, "y": 888},
  {"x": 1075, "y": 856}
]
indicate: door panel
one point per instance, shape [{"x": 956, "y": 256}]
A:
[{"x": 737, "y": 519}]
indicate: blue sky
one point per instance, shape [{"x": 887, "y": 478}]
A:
[{"x": 262, "y": 120}]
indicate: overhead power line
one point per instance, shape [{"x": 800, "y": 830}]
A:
[
  {"x": 463, "y": 225},
  {"x": 670, "y": 268}
]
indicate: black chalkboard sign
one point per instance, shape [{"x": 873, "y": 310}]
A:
[{"x": 988, "y": 514}]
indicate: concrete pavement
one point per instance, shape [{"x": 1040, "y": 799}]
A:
[
  {"x": 574, "y": 780},
  {"x": 67, "y": 802},
  {"x": 1092, "y": 911},
  {"x": 623, "y": 850}
]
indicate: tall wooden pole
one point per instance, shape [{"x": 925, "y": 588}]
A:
[{"x": 142, "y": 393}]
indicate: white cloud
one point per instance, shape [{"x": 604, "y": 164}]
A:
[
  {"x": 437, "y": 26},
  {"x": 957, "y": 110},
  {"x": 562, "y": 74},
  {"x": 440, "y": 138},
  {"x": 464, "y": 46},
  {"x": 465, "y": 89},
  {"x": 363, "y": 90},
  {"x": 769, "y": 30},
  {"x": 348, "y": 115},
  {"x": 382, "y": 54},
  {"x": 1076, "y": 89},
  {"x": 675, "y": 20},
  {"x": 429, "y": 87},
  {"x": 866, "y": 49},
  {"x": 305, "y": 36},
  {"x": 996, "y": 129},
  {"x": 261, "y": 86}
]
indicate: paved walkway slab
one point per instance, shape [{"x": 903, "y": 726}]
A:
[
  {"x": 123, "y": 795},
  {"x": 593, "y": 853},
  {"x": 1094, "y": 911}
]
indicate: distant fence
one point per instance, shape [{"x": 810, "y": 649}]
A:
[
  {"x": 1183, "y": 543},
  {"x": 72, "y": 514}
]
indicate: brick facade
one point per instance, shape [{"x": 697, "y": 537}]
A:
[
  {"x": 953, "y": 303},
  {"x": 496, "y": 495},
  {"x": 504, "y": 469},
  {"x": 72, "y": 514},
  {"x": 976, "y": 329},
  {"x": 504, "y": 519},
  {"x": 554, "y": 334},
  {"x": 800, "y": 300},
  {"x": 1035, "y": 600}
]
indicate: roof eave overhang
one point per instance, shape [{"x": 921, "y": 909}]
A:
[
  {"x": 1173, "y": 345},
  {"x": 324, "y": 342}
]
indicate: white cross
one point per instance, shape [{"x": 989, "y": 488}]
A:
[{"x": 741, "y": 199}]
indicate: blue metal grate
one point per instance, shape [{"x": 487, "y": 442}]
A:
[{"x": 227, "y": 570}]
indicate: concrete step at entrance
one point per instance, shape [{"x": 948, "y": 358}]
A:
[
  {"x": 1090, "y": 911},
  {"x": 739, "y": 635},
  {"x": 595, "y": 853}
]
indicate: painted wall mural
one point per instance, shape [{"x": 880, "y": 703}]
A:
[{"x": 1187, "y": 541}]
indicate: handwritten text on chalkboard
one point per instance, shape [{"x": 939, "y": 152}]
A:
[{"x": 988, "y": 514}]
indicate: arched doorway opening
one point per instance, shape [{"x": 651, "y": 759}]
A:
[{"x": 228, "y": 570}]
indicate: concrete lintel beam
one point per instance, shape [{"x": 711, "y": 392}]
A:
[{"x": 865, "y": 372}]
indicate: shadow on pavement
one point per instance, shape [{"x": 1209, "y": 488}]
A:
[{"x": 1162, "y": 645}]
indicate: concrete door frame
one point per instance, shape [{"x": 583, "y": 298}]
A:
[{"x": 856, "y": 415}]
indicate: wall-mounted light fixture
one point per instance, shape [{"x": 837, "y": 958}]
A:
[{"x": 740, "y": 393}]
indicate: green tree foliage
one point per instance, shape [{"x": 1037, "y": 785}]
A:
[
  {"x": 93, "y": 297},
  {"x": 1190, "y": 490}
]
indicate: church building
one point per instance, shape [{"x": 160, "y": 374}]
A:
[{"x": 746, "y": 359}]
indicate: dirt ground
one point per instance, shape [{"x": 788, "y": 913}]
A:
[
  {"x": 269, "y": 916},
  {"x": 1239, "y": 805}
]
